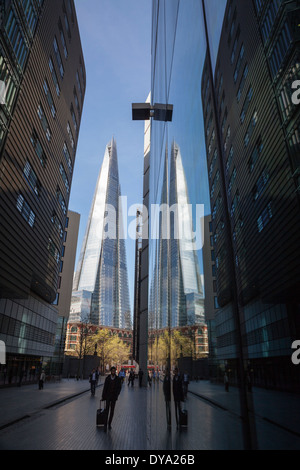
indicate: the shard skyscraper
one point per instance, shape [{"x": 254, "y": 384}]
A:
[
  {"x": 100, "y": 289},
  {"x": 186, "y": 292}
]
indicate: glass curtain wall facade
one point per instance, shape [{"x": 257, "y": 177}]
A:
[
  {"x": 101, "y": 277},
  {"x": 212, "y": 62}
]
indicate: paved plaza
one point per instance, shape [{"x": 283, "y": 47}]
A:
[{"x": 62, "y": 416}]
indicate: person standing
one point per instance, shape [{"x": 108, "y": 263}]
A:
[
  {"x": 167, "y": 394},
  {"x": 178, "y": 395},
  {"x": 131, "y": 378},
  {"x": 42, "y": 380},
  {"x": 111, "y": 391},
  {"x": 93, "y": 381}
]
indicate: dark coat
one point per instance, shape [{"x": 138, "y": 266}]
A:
[
  {"x": 178, "y": 389},
  {"x": 112, "y": 388},
  {"x": 167, "y": 387}
]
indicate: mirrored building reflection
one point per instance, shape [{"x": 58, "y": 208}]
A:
[
  {"x": 228, "y": 69},
  {"x": 101, "y": 275}
]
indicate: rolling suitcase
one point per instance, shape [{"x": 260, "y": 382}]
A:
[
  {"x": 183, "y": 418},
  {"x": 101, "y": 416}
]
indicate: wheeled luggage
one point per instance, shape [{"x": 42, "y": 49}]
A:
[
  {"x": 101, "y": 416},
  {"x": 183, "y": 418}
]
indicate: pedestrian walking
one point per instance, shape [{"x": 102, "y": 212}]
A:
[
  {"x": 98, "y": 375},
  {"x": 93, "y": 381},
  {"x": 149, "y": 379},
  {"x": 167, "y": 394},
  {"x": 42, "y": 380},
  {"x": 111, "y": 391},
  {"x": 131, "y": 378},
  {"x": 122, "y": 375},
  {"x": 177, "y": 394},
  {"x": 141, "y": 373}
]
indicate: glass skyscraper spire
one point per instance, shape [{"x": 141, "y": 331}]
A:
[
  {"x": 187, "y": 304},
  {"x": 101, "y": 279}
]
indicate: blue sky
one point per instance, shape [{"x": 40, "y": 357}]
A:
[{"x": 116, "y": 41}]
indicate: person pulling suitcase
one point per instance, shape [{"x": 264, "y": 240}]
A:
[
  {"x": 178, "y": 396},
  {"x": 111, "y": 391}
]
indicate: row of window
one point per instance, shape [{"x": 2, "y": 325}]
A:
[
  {"x": 16, "y": 38},
  {"x": 269, "y": 19},
  {"x": 280, "y": 49}
]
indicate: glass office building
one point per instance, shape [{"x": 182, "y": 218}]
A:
[
  {"x": 102, "y": 267},
  {"x": 220, "y": 68}
]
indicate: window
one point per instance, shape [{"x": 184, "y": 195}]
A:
[
  {"x": 32, "y": 178},
  {"x": 250, "y": 129},
  {"x": 54, "y": 77},
  {"x": 246, "y": 104},
  {"x": 63, "y": 41},
  {"x": 235, "y": 45},
  {"x": 239, "y": 63},
  {"x": 260, "y": 185},
  {"x": 227, "y": 139},
  {"x": 265, "y": 218},
  {"x": 255, "y": 155},
  {"x": 53, "y": 250},
  {"x": 76, "y": 101},
  {"x": 213, "y": 187},
  {"x": 217, "y": 306},
  {"x": 74, "y": 119},
  {"x": 44, "y": 122},
  {"x": 16, "y": 38},
  {"x": 229, "y": 159},
  {"x": 224, "y": 120},
  {"x": 219, "y": 230},
  {"x": 57, "y": 224},
  {"x": 259, "y": 5},
  {"x": 67, "y": 157},
  {"x": 58, "y": 58},
  {"x": 269, "y": 19},
  {"x": 232, "y": 27},
  {"x": 213, "y": 163},
  {"x": 211, "y": 142},
  {"x": 67, "y": 25},
  {"x": 237, "y": 228},
  {"x": 70, "y": 10},
  {"x": 64, "y": 177},
  {"x": 235, "y": 203},
  {"x": 242, "y": 83},
  {"x": 38, "y": 148},
  {"x": 61, "y": 201},
  {"x": 70, "y": 135},
  {"x": 79, "y": 85},
  {"x": 216, "y": 206},
  {"x": 280, "y": 49},
  {"x": 24, "y": 208},
  {"x": 232, "y": 180},
  {"x": 6, "y": 76},
  {"x": 30, "y": 15},
  {"x": 49, "y": 98}
]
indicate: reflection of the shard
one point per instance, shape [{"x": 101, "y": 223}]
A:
[{"x": 176, "y": 304}]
